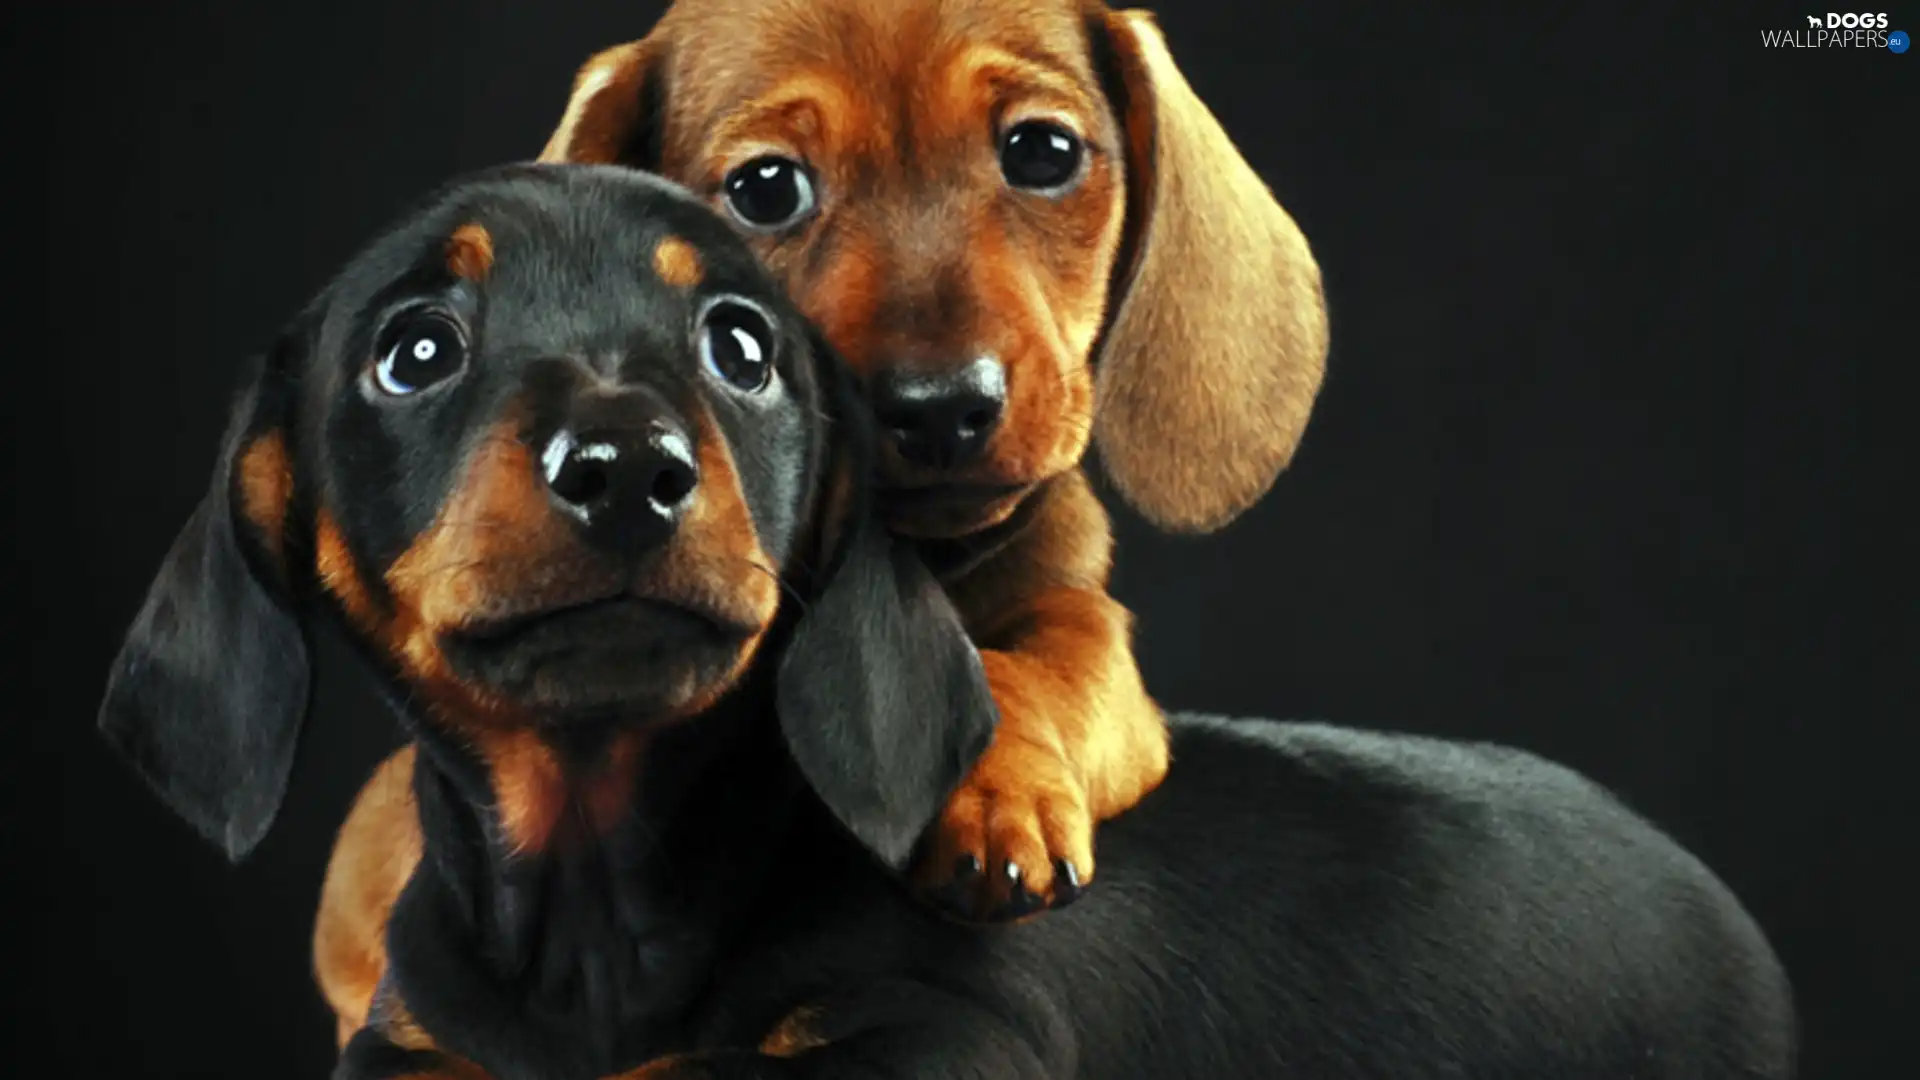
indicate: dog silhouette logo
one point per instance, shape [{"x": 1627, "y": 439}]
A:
[{"x": 1813, "y": 20}]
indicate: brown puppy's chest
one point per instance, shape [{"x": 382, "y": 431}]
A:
[{"x": 1060, "y": 538}]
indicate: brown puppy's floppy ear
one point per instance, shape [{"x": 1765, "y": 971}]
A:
[
  {"x": 613, "y": 116},
  {"x": 1216, "y": 339},
  {"x": 207, "y": 696},
  {"x": 882, "y": 697}
]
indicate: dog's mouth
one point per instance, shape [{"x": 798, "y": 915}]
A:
[
  {"x": 626, "y": 654},
  {"x": 946, "y": 511}
]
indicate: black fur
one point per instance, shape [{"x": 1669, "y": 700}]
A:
[
  {"x": 579, "y": 961},
  {"x": 881, "y": 696},
  {"x": 1295, "y": 901},
  {"x": 216, "y": 642}
]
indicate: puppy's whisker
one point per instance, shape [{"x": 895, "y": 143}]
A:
[{"x": 785, "y": 586}]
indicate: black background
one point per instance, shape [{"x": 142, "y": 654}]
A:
[{"x": 1612, "y": 462}]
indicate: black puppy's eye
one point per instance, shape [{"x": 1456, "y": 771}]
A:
[
  {"x": 769, "y": 192},
  {"x": 736, "y": 346},
  {"x": 423, "y": 350},
  {"x": 1040, "y": 156}
]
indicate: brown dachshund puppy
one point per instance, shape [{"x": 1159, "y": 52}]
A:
[{"x": 1017, "y": 220}]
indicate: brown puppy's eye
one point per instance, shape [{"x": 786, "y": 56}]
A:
[
  {"x": 422, "y": 350},
  {"x": 736, "y": 346},
  {"x": 1040, "y": 156},
  {"x": 769, "y": 192}
]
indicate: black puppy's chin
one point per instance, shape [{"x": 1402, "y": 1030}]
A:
[{"x": 620, "y": 659}]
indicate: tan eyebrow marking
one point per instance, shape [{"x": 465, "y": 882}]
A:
[
  {"x": 677, "y": 263},
  {"x": 470, "y": 252}
]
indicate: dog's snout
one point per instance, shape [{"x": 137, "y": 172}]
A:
[
  {"x": 627, "y": 486},
  {"x": 942, "y": 420}
]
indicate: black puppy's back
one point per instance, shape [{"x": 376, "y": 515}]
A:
[
  {"x": 1301, "y": 901},
  {"x": 1391, "y": 906}
]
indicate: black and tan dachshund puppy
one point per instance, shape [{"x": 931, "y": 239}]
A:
[{"x": 593, "y": 499}]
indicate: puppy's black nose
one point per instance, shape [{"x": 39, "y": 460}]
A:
[
  {"x": 944, "y": 420},
  {"x": 627, "y": 486}
]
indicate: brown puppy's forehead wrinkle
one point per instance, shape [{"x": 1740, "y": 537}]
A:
[
  {"x": 862, "y": 71},
  {"x": 993, "y": 73},
  {"x": 803, "y": 110}
]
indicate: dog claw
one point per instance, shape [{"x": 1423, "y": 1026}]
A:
[
  {"x": 1021, "y": 904},
  {"x": 1020, "y": 901},
  {"x": 955, "y": 897},
  {"x": 1066, "y": 883}
]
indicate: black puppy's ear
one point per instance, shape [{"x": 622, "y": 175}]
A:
[
  {"x": 209, "y": 691},
  {"x": 882, "y": 698}
]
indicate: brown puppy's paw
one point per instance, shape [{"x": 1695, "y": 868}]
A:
[{"x": 1015, "y": 839}]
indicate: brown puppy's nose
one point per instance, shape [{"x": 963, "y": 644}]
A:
[
  {"x": 941, "y": 420},
  {"x": 627, "y": 486}
]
